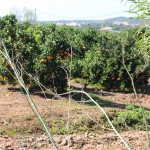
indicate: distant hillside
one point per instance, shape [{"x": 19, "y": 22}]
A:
[
  {"x": 68, "y": 21},
  {"x": 116, "y": 19},
  {"x": 110, "y": 20},
  {"x": 123, "y": 19}
]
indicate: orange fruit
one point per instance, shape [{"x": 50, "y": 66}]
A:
[
  {"x": 69, "y": 56},
  {"x": 43, "y": 60},
  {"x": 49, "y": 57}
]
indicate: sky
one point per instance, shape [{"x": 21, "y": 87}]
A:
[{"x": 68, "y": 9}]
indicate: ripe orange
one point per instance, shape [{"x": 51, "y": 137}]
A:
[
  {"x": 49, "y": 57},
  {"x": 69, "y": 56},
  {"x": 43, "y": 60}
]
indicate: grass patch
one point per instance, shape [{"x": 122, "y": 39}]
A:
[
  {"x": 131, "y": 118},
  {"x": 96, "y": 87},
  {"x": 12, "y": 132},
  {"x": 78, "y": 80},
  {"x": 102, "y": 102},
  {"x": 80, "y": 125},
  {"x": 2, "y": 132}
]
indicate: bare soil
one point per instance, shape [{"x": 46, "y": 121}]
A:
[{"x": 21, "y": 130}]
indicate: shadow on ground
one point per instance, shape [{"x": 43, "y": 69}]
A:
[
  {"x": 81, "y": 98},
  {"x": 100, "y": 101},
  {"x": 103, "y": 103}
]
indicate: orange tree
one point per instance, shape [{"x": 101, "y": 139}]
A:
[
  {"x": 102, "y": 64},
  {"x": 45, "y": 52},
  {"x": 48, "y": 64},
  {"x": 8, "y": 34},
  {"x": 34, "y": 48}
]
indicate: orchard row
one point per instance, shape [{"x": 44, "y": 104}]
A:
[{"x": 47, "y": 52}]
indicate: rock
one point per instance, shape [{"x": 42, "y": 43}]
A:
[
  {"x": 8, "y": 143},
  {"x": 6, "y": 137},
  {"x": 70, "y": 143},
  {"x": 40, "y": 145},
  {"x": 78, "y": 138},
  {"x": 40, "y": 139},
  {"x": 30, "y": 140},
  {"x": 1, "y": 148},
  {"x": 33, "y": 144},
  {"x": 86, "y": 134},
  {"x": 91, "y": 135},
  {"x": 64, "y": 142},
  {"x": 8, "y": 146},
  {"x": 24, "y": 145},
  {"x": 58, "y": 140}
]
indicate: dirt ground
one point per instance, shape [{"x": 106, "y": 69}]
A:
[{"x": 15, "y": 113}]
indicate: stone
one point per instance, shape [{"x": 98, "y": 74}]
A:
[{"x": 64, "y": 142}]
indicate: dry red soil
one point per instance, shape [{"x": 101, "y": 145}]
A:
[{"x": 15, "y": 113}]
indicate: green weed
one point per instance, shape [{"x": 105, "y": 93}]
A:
[
  {"x": 12, "y": 132},
  {"x": 1, "y": 132},
  {"x": 132, "y": 118}
]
